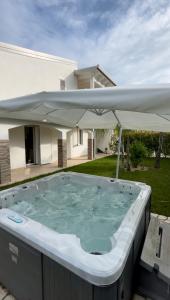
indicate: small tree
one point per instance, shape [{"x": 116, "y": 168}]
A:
[
  {"x": 155, "y": 142},
  {"x": 113, "y": 145},
  {"x": 166, "y": 145},
  {"x": 138, "y": 152},
  {"x": 128, "y": 166}
]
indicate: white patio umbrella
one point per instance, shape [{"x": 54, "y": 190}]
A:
[{"x": 131, "y": 107}]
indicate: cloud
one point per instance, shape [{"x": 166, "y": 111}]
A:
[
  {"x": 48, "y": 3},
  {"x": 130, "y": 39}
]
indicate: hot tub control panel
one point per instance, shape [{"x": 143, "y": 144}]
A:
[{"x": 16, "y": 218}]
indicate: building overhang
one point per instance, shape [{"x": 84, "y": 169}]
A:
[{"x": 94, "y": 77}]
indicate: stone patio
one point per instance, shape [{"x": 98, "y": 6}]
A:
[
  {"x": 4, "y": 295},
  {"x": 37, "y": 170},
  {"x": 137, "y": 297}
]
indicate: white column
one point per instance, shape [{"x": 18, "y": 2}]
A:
[{"x": 92, "y": 82}]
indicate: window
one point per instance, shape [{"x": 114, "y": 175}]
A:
[
  {"x": 62, "y": 85},
  {"x": 80, "y": 137},
  {"x": 77, "y": 137}
]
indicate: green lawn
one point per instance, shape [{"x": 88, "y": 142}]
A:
[{"x": 158, "y": 179}]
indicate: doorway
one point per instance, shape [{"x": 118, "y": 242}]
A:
[{"x": 29, "y": 145}]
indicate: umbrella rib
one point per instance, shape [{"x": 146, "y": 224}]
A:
[
  {"x": 81, "y": 116},
  {"x": 52, "y": 111},
  {"x": 163, "y": 117},
  {"x": 99, "y": 112},
  {"x": 114, "y": 112},
  {"x": 106, "y": 111}
]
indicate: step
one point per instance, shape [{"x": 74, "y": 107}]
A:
[
  {"x": 154, "y": 269},
  {"x": 4, "y": 295},
  {"x": 137, "y": 297},
  {"x": 9, "y": 297}
]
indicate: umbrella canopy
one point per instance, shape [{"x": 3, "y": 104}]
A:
[{"x": 134, "y": 107}]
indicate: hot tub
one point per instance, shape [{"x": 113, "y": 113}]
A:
[{"x": 72, "y": 236}]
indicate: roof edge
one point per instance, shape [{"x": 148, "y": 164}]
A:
[
  {"x": 106, "y": 75},
  {"x": 94, "y": 68},
  {"x": 34, "y": 54}
]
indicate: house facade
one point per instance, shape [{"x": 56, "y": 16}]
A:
[{"x": 23, "y": 143}]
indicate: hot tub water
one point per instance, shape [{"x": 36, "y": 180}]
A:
[{"x": 92, "y": 212}]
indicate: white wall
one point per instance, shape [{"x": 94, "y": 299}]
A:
[
  {"x": 48, "y": 145},
  {"x": 54, "y": 143},
  {"x": 74, "y": 150},
  {"x": 4, "y": 134},
  {"x": 17, "y": 147},
  {"x": 5, "y": 125},
  {"x": 24, "y": 71}
]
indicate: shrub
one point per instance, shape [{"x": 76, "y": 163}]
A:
[
  {"x": 150, "y": 139},
  {"x": 113, "y": 143},
  {"x": 138, "y": 152}
]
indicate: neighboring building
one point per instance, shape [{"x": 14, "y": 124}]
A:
[{"x": 23, "y": 72}]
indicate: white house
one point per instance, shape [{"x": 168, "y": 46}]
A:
[{"x": 23, "y": 72}]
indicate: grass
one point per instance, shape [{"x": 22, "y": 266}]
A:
[{"x": 158, "y": 179}]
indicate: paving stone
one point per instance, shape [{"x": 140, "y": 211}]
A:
[
  {"x": 137, "y": 297},
  {"x": 162, "y": 218},
  {"x": 154, "y": 215},
  {"x": 9, "y": 297},
  {"x": 3, "y": 292},
  {"x": 167, "y": 220}
]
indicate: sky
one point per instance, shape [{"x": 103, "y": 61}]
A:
[{"x": 130, "y": 39}]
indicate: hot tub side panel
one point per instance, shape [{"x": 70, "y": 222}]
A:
[
  {"x": 60, "y": 283},
  {"x": 20, "y": 268},
  {"x": 122, "y": 288}
]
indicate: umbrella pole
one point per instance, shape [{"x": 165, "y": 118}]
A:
[
  {"x": 119, "y": 148},
  {"x": 94, "y": 144}
]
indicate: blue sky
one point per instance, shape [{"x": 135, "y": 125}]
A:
[{"x": 129, "y": 38}]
